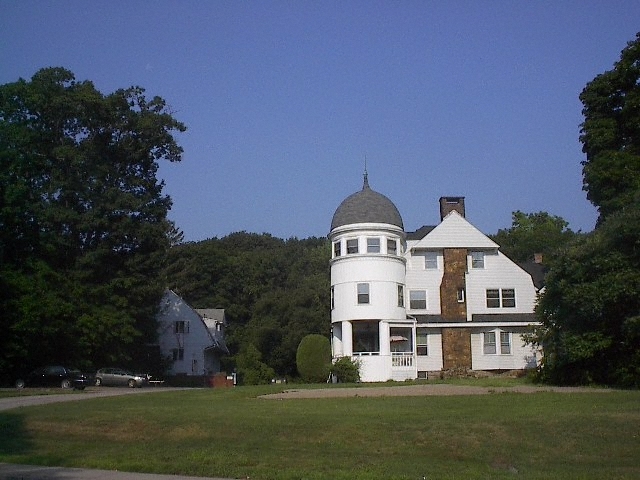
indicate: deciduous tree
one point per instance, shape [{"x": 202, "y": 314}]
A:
[{"x": 83, "y": 220}]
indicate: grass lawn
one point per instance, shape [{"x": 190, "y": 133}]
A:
[{"x": 232, "y": 433}]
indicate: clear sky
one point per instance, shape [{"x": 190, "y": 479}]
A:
[{"x": 284, "y": 100}]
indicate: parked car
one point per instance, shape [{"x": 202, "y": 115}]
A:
[
  {"x": 55, "y": 376},
  {"x": 120, "y": 377}
]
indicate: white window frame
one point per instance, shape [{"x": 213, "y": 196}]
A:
[
  {"x": 461, "y": 295},
  {"x": 477, "y": 259},
  {"x": 489, "y": 343},
  {"x": 337, "y": 248},
  {"x": 373, "y": 244},
  {"x": 505, "y": 343},
  {"x": 352, "y": 246},
  {"x": 510, "y": 300},
  {"x": 422, "y": 344},
  {"x": 431, "y": 260},
  {"x": 392, "y": 246},
  {"x": 416, "y": 296},
  {"x": 363, "y": 294},
  {"x": 333, "y": 297},
  {"x": 400, "y": 295},
  {"x": 501, "y": 298}
]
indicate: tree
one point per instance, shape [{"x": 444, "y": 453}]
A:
[
  {"x": 610, "y": 134},
  {"x": 532, "y": 233},
  {"x": 83, "y": 221},
  {"x": 313, "y": 358},
  {"x": 590, "y": 311}
]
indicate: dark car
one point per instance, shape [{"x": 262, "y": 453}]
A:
[
  {"x": 120, "y": 377},
  {"x": 55, "y": 376}
]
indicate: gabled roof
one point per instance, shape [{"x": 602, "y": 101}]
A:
[
  {"x": 455, "y": 232},
  {"x": 215, "y": 314}
]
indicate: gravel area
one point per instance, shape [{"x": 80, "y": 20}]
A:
[{"x": 419, "y": 390}]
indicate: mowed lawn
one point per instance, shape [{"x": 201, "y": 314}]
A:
[{"x": 233, "y": 433}]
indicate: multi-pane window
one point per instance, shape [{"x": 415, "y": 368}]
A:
[
  {"x": 422, "y": 342},
  {"x": 418, "y": 299},
  {"x": 505, "y": 298},
  {"x": 431, "y": 260},
  {"x": 508, "y": 297},
  {"x": 337, "y": 248},
  {"x": 493, "y": 298},
  {"x": 505, "y": 343},
  {"x": 401, "y": 295},
  {"x": 352, "y": 245},
  {"x": 373, "y": 245},
  {"x": 477, "y": 259},
  {"x": 489, "y": 343},
  {"x": 363, "y": 293},
  {"x": 392, "y": 246}
]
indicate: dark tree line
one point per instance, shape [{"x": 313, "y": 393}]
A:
[{"x": 274, "y": 293}]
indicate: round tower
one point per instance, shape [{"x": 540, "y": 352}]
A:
[{"x": 367, "y": 280}]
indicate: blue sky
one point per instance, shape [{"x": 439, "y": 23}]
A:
[{"x": 284, "y": 100}]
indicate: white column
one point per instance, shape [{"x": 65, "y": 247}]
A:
[
  {"x": 385, "y": 346},
  {"x": 337, "y": 340},
  {"x": 347, "y": 339}
]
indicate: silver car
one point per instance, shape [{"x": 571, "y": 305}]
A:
[{"x": 118, "y": 377}]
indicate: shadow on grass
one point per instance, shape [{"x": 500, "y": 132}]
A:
[{"x": 14, "y": 439}]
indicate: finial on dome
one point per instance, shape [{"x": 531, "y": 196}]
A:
[{"x": 366, "y": 175}]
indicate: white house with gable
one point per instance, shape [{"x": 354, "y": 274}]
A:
[
  {"x": 192, "y": 339},
  {"x": 441, "y": 298}
]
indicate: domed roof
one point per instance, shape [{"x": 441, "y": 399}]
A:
[{"x": 366, "y": 206}]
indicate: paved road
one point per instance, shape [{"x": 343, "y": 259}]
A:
[{"x": 32, "y": 472}]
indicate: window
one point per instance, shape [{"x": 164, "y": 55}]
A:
[
  {"x": 401, "y": 295},
  {"x": 337, "y": 249},
  {"x": 508, "y": 297},
  {"x": 431, "y": 260},
  {"x": 505, "y": 297},
  {"x": 333, "y": 298},
  {"x": 489, "y": 346},
  {"x": 181, "y": 326},
  {"x": 460, "y": 295},
  {"x": 352, "y": 245},
  {"x": 422, "y": 342},
  {"x": 493, "y": 298},
  {"x": 418, "y": 299},
  {"x": 363, "y": 293},
  {"x": 477, "y": 259},
  {"x": 505, "y": 343},
  {"x": 392, "y": 246},
  {"x": 489, "y": 343},
  {"x": 373, "y": 245},
  {"x": 178, "y": 354}
]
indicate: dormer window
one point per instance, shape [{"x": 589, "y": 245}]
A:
[
  {"x": 373, "y": 245},
  {"x": 352, "y": 246}
]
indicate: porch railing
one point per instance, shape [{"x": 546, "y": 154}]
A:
[{"x": 402, "y": 359}]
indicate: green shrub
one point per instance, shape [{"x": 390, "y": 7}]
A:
[
  {"x": 313, "y": 358},
  {"x": 346, "y": 370}
]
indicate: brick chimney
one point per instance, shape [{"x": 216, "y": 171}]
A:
[{"x": 448, "y": 204}]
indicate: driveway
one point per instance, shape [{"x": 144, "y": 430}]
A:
[{"x": 28, "y": 398}]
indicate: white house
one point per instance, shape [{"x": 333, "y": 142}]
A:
[
  {"x": 193, "y": 339},
  {"x": 441, "y": 298}
]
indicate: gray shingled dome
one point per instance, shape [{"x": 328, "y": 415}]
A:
[{"x": 366, "y": 206}]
